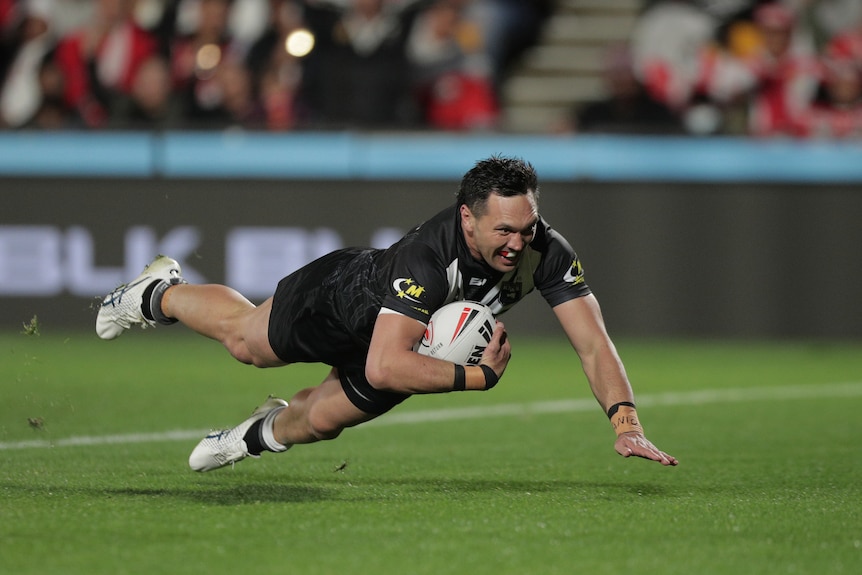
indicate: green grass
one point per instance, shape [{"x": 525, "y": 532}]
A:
[{"x": 766, "y": 486}]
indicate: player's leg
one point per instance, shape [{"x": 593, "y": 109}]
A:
[
  {"x": 225, "y": 315},
  {"x": 313, "y": 414},
  {"x": 318, "y": 413},
  {"x": 161, "y": 296}
]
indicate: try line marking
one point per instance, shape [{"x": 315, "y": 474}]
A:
[{"x": 701, "y": 397}]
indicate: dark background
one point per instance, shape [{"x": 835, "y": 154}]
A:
[{"x": 665, "y": 259}]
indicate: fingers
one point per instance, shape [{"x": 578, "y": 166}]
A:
[
  {"x": 502, "y": 338},
  {"x": 669, "y": 459},
  {"x": 660, "y": 456},
  {"x": 639, "y": 446},
  {"x": 499, "y": 350},
  {"x": 501, "y": 330}
]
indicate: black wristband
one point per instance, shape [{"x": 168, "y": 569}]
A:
[
  {"x": 491, "y": 378},
  {"x": 616, "y": 407},
  {"x": 460, "y": 378}
]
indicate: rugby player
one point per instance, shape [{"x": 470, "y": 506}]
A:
[{"x": 362, "y": 312}]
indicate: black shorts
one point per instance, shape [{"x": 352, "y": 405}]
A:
[
  {"x": 363, "y": 396},
  {"x": 304, "y": 328}
]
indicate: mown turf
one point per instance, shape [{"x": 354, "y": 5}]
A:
[{"x": 767, "y": 486}]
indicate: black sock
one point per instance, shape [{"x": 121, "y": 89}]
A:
[
  {"x": 151, "y": 303},
  {"x": 146, "y": 300},
  {"x": 253, "y": 440}
]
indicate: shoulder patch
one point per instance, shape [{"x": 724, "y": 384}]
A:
[
  {"x": 575, "y": 274},
  {"x": 407, "y": 288}
]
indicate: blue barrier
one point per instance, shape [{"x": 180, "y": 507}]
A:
[
  {"x": 434, "y": 156},
  {"x": 38, "y": 154}
]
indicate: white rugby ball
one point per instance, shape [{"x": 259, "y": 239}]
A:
[{"x": 458, "y": 332}]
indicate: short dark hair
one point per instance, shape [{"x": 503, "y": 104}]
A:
[{"x": 504, "y": 176}]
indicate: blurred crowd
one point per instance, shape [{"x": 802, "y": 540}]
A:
[
  {"x": 259, "y": 64},
  {"x": 790, "y": 68},
  {"x": 753, "y": 67}
]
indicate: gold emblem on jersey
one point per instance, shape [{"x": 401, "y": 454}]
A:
[
  {"x": 407, "y": 288},
  {"x": 575, "y": 275}
]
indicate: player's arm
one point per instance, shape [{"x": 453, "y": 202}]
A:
[
  {"x": 392, "y": 364},
  {"x": 582, "y": 321}
]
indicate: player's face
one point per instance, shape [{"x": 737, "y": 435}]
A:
[{"x": 500, "y": 235}]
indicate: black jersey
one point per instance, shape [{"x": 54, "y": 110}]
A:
[
  {"x": 326, "y": 311},
  {"x": 432, "y": 266}
]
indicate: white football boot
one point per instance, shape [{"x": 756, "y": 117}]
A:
[
  {"x": 226, "y": 446},
  {"x": 122, "y": 309}
]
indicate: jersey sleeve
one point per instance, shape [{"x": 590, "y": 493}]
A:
[
  {"x": 560, "y": 277},
  {"x": 417, "y": 282}
]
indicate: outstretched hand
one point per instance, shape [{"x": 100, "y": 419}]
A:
[{"x": 634, "y": 443}]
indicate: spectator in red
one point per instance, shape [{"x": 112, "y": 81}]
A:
[
  {"x": 667, "y": 45},
  {"x": 100, "y": 60},
  {"x": 837, "y": 112},
  {"x": 452, "y": 71},
  {"x": 678, "y": 59},
  {"x": 11, "y": 14},
  {"x": 786, "y": 75},
  {"x": 846, "y": 46}
]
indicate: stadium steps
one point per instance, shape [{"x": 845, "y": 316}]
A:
[{"x": 564, "y": 68}]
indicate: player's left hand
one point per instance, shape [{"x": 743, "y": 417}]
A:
[
  {"x": 499, "y": 350},
  {"x": 634, "y": 443}
]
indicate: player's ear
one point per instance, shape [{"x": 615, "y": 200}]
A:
[{"x": 467, "y": 219}]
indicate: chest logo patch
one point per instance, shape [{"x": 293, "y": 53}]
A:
[{"x": 511, "y": 292}]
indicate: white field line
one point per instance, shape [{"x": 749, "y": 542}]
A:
[{"x": 701, "y": 397}]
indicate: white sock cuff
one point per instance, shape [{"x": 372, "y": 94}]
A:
[{"x": 266, "y": 434}]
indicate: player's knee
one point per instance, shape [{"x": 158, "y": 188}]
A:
[
  {"x": 252, "y": 351},
  {"x": 242, "y": 352},
  {"x": 239, "y": 351}
]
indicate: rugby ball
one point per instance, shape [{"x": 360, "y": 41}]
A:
[{"x": 458, "y": 332}]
